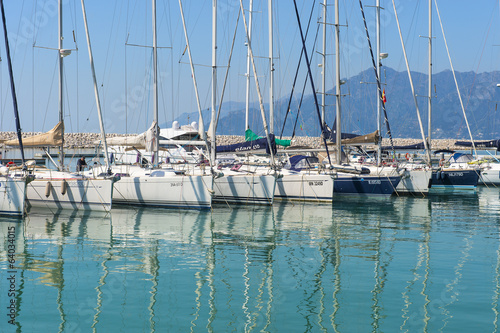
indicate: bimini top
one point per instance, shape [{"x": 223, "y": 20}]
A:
[
  {"x": 460, "y": 158},
  {"x": 299, "y": 162}
]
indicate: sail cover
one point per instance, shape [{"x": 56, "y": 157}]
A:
[
  {"x": 480, "y": 144},
  {"x": 363, "y": 139},
  {"x": 251, "y": 136},
  {"x": 249, "y": 146},
  {"x": 54, "y": 137},
  {"x": 416, "y": 146}
]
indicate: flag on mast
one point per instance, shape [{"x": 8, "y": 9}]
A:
[{"x": 383, "y": 97}]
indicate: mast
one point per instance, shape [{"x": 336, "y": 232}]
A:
[
  {"x": 96, "y": 92},
  {"x": 429, "y": 105},
  {"x": 427, "y": 150},
  {"x": 155, "y": 87},
  {"x": 337, "y": 82},
  {"x": 61, "y": 112},
  {"x": 271, "y": 68},
  {"x": 379, "y": 145},
  {"x": 12, "y": 86},
  {"x": 257, "y": 86},
  {"x": 247, "y": 100},
  {"x": 323, "y": 67},
  {"x": 202, "y": 126},
  {"x": 214, "y": 74}
]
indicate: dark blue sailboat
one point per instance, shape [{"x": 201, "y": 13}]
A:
[
  {"x": 458, "y": 175},
  {"x": 366, "y": 185}
]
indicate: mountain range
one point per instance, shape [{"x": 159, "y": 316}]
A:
[{"x": 479, "y": 91}]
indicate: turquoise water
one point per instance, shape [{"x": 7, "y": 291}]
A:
[{"x": 359, "y": 265}]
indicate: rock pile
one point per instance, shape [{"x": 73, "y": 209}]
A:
[{"x": 86, "y": 140}]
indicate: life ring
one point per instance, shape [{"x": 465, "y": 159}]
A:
[
  {"x": 11, "y": 164},
  {"x": 407, "y": 156}
]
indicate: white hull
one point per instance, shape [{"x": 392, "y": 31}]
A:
[
  {"x": 12, "y": 196},
  {"x": 415, "y": 182},
  {"x": 80, "y": 194},
  {"x": 169, "y": 191},
  {"x": 245, "y": 189},
  {"x": 305, "y": 187},
  {"x": 490, "y": 174}
]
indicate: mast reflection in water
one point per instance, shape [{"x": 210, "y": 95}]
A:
[{"x": 381, "y": 264}]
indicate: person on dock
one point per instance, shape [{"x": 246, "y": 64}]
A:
[{"x": 81, "y": 164}]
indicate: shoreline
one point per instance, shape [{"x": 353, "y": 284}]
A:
[{"x": 86, "y": 140}]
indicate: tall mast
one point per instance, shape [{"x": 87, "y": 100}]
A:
[
  {"x": 429, "y": 105},
  {"x": 337, "y": 82},
  {"x": 61, "y": 111},
  {"x": 96, "y": 92},
  {"x": 214, "y": 74},
  {"x": 155, "y": 87},
  {"x": 247, "y": 100},
  {"x": 323, "y": 67},
  {"x": 271, "y": 68},
  {"x": 12, "y": 85},
  {"x": 379, "y": 128}
]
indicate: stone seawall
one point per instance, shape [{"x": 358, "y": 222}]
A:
[{"x": 86, "y": 140}]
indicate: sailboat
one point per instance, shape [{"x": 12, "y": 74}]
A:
[
  {"x": 13, "y": 182},
  {"x": 490, "y": 166},
  {"x": 249, "y": 179},
  {"x": 416, "y": 177},
  {"x": 155, "y": 183},
  {"x": 453, "y": 175},
  {"x": 62, "y": 189},
  {"x": 304, "y": 178},
  {"x": 363, "y": 183}
]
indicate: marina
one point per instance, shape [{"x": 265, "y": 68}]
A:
[
  {"x": 384, "y": 264},
  {"x": 249, "y": 166}
]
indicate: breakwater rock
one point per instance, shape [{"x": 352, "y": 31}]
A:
[{"x": 87, "y": 140}]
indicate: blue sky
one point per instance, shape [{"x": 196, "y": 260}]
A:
[{"x": 124, "y": 72}]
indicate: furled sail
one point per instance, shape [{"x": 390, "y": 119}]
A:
[
  {"x": 54, "y": 137},
  {"x": 144, "y": 140}
]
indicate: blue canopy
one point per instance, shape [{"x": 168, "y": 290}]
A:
[{"x": 295, "y": 162}]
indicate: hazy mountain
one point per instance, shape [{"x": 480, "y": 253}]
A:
[{"x": 479, "y": 92}]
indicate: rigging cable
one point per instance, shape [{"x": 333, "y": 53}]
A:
[
  {"x": 378, "y": 80},
  {"x": 295, "y": 79},
  {"x": 323, "y": 131}
]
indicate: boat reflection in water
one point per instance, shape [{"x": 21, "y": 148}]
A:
[{"x": 402, "y": 264}]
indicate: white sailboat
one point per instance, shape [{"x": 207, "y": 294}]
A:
[
  {"x": 156, "y": 183},
  {"x": 244, "y": 182},
  {"x": 12, "y": 182},
  {"x": 61, "y": 189},
  {"x": 301, "y": 179}
]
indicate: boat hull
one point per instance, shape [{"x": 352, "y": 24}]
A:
[
  {"x": 305, "y": 187},
  {"x": 415, "y": 182},
  {"x": 12, "y": 196},
  {"x": 459, "y": 179},
  {"x": 75, "y": 194},
  {"x": 370, "y": 185},
  {"x": 192, "y": 192},
  {"x": 245, "y": 189},
  {"x": 490, "y": 175}
]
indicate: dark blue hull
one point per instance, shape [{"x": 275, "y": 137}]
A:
[
  {"x": 455, "y": 180},
  {"x": 367, "y": 185}
]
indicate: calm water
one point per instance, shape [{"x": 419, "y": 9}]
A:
[{"x": 397, "y": 264}]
